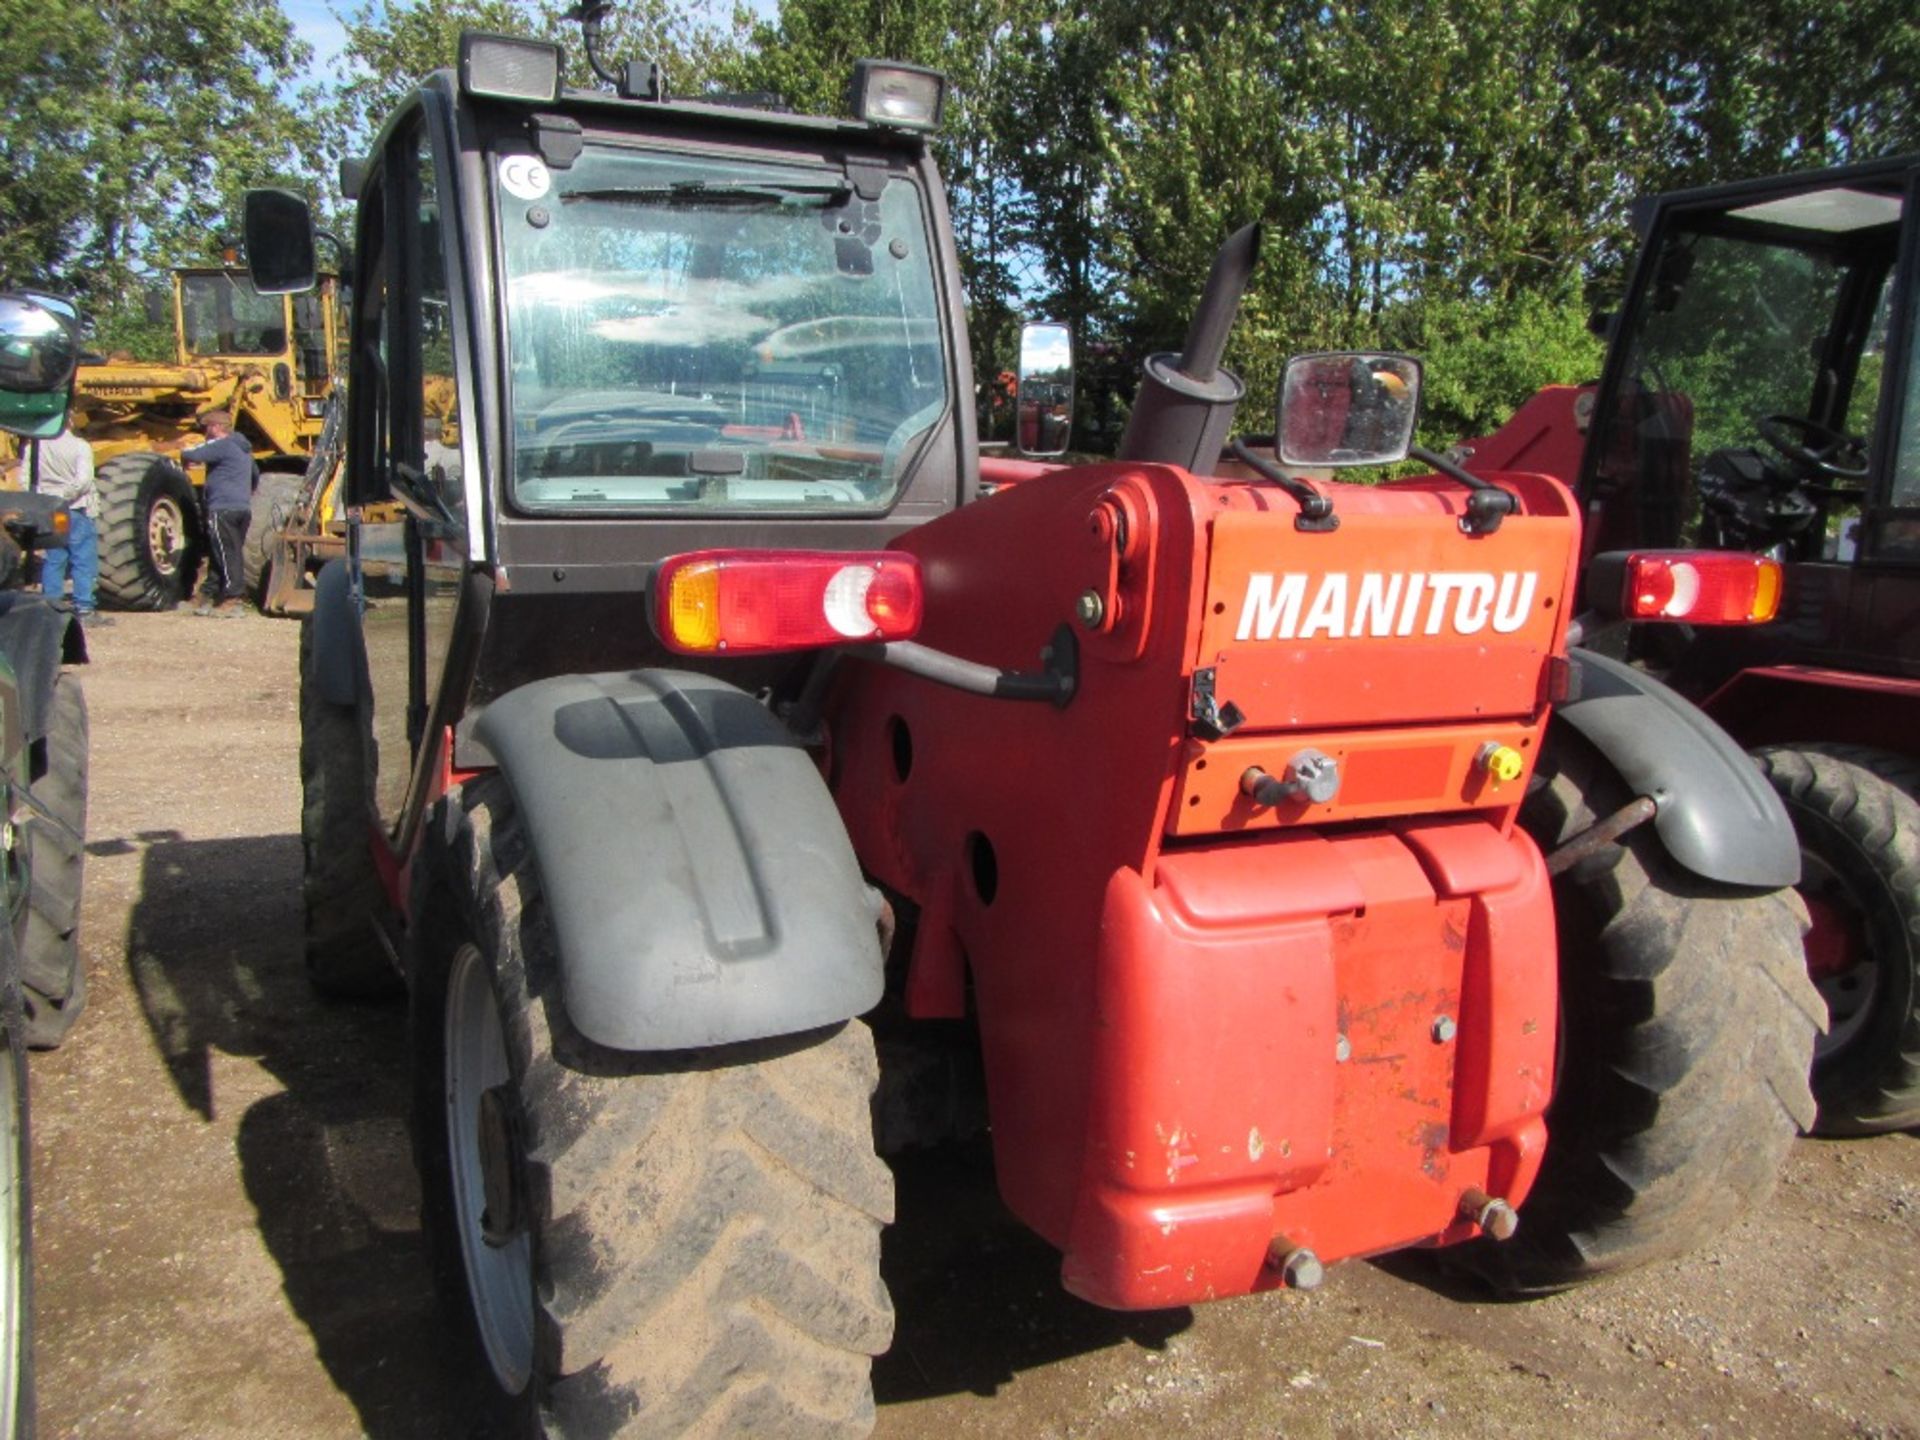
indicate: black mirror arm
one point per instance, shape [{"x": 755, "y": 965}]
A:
[
  {"x": 1487, "y": 506},
  {"x": 1316, "y": 510},
  {"x": 343, "y": 253}
]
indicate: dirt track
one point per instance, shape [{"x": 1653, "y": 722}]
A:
[{"x": 227, "y": 1242}]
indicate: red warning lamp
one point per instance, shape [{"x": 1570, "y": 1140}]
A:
[
  {"x": 752, "y": 601},
  {"x": 1694, "y": 587}
]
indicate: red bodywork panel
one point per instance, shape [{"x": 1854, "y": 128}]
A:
[
  {"x": 1162, "y": 975},
  {"x": 1782, "y": 704}
]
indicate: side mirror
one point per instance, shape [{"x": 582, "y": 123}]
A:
[
  {"x": 280, "y": 247},
  {"x": 1347, "y": 407},
  {"x": 158, "y": 305},
  {"x": 1043, "y": 389},
  {"x": 353, "y": 175},
  {"x": 38, "y": 353}
]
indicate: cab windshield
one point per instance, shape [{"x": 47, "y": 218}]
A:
[
  {"x": 701, "y": 333},
  {"x": 224, "y": 315}
]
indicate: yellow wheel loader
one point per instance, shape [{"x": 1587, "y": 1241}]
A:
[{"x": 269, "y": 360}]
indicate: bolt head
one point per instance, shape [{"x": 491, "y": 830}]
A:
[
  {"x": 1342, "y": 1049},
  {"x": 1090, "y": 608},
  {"x": 1444, "y": 1029},
  {"x": 1500, "y": 1220},
  {"x": 1302, "y": 1270}
]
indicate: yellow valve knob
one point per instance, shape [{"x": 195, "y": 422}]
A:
[{"x": 1501, "y": 762}]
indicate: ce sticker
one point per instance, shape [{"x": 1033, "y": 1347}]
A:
[{"x": 524, "y": 177}]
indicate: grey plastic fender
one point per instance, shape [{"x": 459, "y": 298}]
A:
[
  {"x": 1715, "y": 813},
  {"x": 339, "y": 644},
  {"x": 702, "y": 886}
]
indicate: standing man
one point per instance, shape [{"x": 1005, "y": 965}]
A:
[
  {"x": 227, "y": 499},
  {"x": 63, "y": 466}
]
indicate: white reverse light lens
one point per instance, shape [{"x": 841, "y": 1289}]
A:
[
  {"x": 1686, "y": 590},
  {"x": 845, "y": 601}
]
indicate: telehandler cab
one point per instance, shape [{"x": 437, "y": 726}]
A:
[
  {"x": 1762, "y": 396},
  {"x": 1277, "y": 854}
]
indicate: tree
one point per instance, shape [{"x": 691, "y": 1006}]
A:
[
  {"x": 394, "y": 44},
  {"x": 130, "y": 129}
]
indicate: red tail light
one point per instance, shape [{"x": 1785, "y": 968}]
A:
[
  {"x": 748, "y": 601},
  {"x": 1695, "y": 587}
]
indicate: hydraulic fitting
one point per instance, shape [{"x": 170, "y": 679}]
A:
[
  {"x": 1311, "y": 776},
  {"x": 1501, "y": 762}
]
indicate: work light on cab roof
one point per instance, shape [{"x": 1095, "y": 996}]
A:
[
  {"x": 904, "y": 97},
  {"x": 507, "y": 67},
  {"x": 751, "y": 601}
]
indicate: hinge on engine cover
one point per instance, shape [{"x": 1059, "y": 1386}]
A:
[{"x": 1211, "y": 719}]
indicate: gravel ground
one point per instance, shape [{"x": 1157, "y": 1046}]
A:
[{"x": 228, "y": 1246}]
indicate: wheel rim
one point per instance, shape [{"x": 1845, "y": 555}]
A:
[
  {"x": 12, "y": 1237},
  {"x": 1842, "y": 965},
  {"x": 499, "y": 1273},
  {"x": 166, "y": 534}
]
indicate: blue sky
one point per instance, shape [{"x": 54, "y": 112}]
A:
[{"x": 316, "y": 25}]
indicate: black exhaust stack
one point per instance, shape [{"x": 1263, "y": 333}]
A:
[{"x": 1184, "y": 408}]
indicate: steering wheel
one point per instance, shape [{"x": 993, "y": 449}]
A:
[{"x": 1816, "y": 447}]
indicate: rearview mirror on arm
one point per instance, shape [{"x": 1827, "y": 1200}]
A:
[
  {"x": 278, "y": 227},
  {"x": 1043, "y": 392},
  {"x": 38, "y": 352},
  {"x": 1347, "y": 407}
]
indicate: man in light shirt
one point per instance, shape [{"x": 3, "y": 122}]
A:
[{"x": 63, "y": 466}]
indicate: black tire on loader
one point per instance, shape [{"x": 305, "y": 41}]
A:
[
  {"x": 52, "y": 969},
  {"x": 149, "y": 520},
  {"x": 1855, "y": 812},
  {"x": 1687, "y": 1029},
  {"x": 16, "y": 1211},
  {"x": 635, "y": 1245},
  {"x": 341, "y": 894},
  {"x": 273, "y": 502}
]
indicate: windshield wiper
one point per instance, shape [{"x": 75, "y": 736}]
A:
[{"x": 723, "y": 192}]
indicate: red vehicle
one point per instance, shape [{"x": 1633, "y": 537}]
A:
[
  {"x": 1762, "y": 393},
  {"x": 1301, "y": 891}
]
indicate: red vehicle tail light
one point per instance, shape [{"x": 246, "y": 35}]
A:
[
  {"x": 1695, "y": 587},
  {"x": 748, "y": 601}
]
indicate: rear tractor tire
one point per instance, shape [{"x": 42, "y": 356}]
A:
[
  {"x": 273, "y": 503},
  {"x": 1855, "y": 812},
  {"x": 636, "y": 1245},
  {"x": 341, "y": 895},
  {"x": 52, "y": 968},
  {"x": 149, "y": 519},
  {"x": 16, "y": 1211},
  {"x": 1687, "y": 1029}
]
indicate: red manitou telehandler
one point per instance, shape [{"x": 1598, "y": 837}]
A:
[{"x": 1302, "y": 892}]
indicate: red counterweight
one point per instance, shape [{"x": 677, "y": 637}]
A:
[{"x": 1218, "y": 1027}]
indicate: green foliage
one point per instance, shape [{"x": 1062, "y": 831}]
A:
[
  {"x": 122, "y": 327},
  {"x": 394, "y": 44},
  {"x": 1448, "y": 176},
  {"x": 131, "y": 129},
  {"x": 1485, "y": 356}
]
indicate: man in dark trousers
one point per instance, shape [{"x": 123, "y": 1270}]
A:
[{"x": 227, "y": 499}]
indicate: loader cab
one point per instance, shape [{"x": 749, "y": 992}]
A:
[
  {"x": 590, "y": 332},
  {"x": 1762, "y": 392},
  {"x": 294, "y": 339}
]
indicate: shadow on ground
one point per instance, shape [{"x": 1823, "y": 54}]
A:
[
  {"x": 214, "y": 952},
  {"x": 977, "y": 1295},
  {"x": 213, "y": 949}
]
